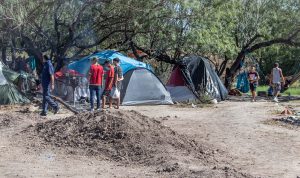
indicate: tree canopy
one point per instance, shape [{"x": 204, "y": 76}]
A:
[{"x": 164, "y": 29}]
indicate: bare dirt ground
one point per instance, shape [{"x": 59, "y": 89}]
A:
[{"x": 230, "y": 139}]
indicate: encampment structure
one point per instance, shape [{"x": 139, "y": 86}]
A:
[
  {"x": 194, "y": 78},
  {"x": 140, "y": 84},
  {"x": 9, "y": 93}
]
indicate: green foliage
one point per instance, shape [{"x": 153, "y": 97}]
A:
[{"x": 171, "y": 27}]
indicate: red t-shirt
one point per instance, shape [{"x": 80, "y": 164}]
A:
[
  {"x": 109, "y": 78},
  {"x": 96, "y": 72}
]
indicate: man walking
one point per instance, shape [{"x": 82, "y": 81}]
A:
[
  {"x": 276, "y": 78},
  {"x": 48, "y": 85},
  {"x": 118, "y": 77},
  {"x": 108, "y": 83},
  {"x": 95, "y": 78}
]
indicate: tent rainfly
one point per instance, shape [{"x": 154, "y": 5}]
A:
[{"x": 194, "y": 77}]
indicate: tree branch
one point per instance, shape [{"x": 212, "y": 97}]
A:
[{"x": 100, "y": 40}]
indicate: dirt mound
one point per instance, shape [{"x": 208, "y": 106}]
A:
[{"x": 127, "y": 136}]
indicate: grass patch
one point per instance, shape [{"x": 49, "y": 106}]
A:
[{"x": 294, "y": 90}]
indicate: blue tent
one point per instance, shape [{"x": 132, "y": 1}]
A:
[
  {"x": 83, "y": 65},
  {"x": 140, "y": 84}
]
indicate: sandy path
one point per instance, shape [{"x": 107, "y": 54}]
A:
[
  {"x": 237, "y": 128},
  {"x": 233, "y": 129}
]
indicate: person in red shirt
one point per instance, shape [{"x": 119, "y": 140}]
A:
[
  {"x": 110, "y": 73},
  {"x": 95, "y": 78}
]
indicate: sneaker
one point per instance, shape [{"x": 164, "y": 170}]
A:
[
  {"x": 91, "y": 110},
  {"x": 99, "y": 109},
  {"x": 56, "y": 110},
  {"x": 43, "y": 114},
  {"x": 275, "y": 100}
]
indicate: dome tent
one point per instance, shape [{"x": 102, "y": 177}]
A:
[
  {"x": 9, "y": 94},
  {"x": 194, "y": 77},
  {"x": 140, "y": 84}
]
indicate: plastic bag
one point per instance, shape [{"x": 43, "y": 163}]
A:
[{"x": 115, "y": 93}]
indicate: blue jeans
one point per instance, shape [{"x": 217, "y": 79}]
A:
[
  {"x": 95, "y": 89},
  {"x": 47, "y": 99}
]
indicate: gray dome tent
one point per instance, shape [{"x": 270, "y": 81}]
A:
[{"x": 141, "y": 86}]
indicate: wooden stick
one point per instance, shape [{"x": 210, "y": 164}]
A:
[{"x": 58, "y": 99}]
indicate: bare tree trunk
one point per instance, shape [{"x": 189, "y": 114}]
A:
[
  {"x": 231, "y": 72},
  {"x": 13, "y": 49},
  {"x": 31, "y": 50},
  {"x": 4, "y": 56}
]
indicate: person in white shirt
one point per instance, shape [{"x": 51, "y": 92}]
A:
[{"x": 276, "y": 79}]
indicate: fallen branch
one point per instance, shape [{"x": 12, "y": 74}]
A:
[{"x": 58, "y": 99}]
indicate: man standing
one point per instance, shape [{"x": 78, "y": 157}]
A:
[
  {"x": 95, "y": 78},
  {"x": 108, "y": 83},
  {"x": 48, "y": 84},
  {"x": 276, "y": 78},
  {"x": 253, "y": 78},
  {"x": 118, "y": 77}
]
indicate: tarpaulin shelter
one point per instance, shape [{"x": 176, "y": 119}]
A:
[
  {"x": 9, "y": 93},
  {"x": 194, "y": 77},
  {"x": 83, "y": 65},
  {"x": 140, "y": 84}
]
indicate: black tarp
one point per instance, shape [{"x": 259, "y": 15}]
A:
[{"x": 201, "y": 78}]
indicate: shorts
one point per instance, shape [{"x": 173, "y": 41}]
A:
[
  {"x": 276, "y": 87},
  {"x": 253, "y": 86},
  {"x": 106, "y": 93}
]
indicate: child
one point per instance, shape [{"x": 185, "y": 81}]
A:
[{"x": 253, "y": 78}]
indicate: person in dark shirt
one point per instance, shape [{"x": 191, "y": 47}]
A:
[
  {"x": 109, "y": 70},
  {"x": 95, "y": 78},
  {"x": 253, "y": 78},
  {"x": 118, "y": 77},
  {"x": 48, "y": 85}
]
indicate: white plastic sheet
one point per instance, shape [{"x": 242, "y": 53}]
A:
[{"x": 3, "y": 80}]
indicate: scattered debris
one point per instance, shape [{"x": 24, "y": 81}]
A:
[
  {"x": 293, "y": 120},
  {"x": 7, "y": 120},
  {"x": 286, "y": 111}
]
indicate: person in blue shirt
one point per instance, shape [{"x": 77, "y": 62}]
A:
[{"x": 48, "y": 85}]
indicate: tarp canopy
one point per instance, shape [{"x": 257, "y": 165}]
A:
[
  {"x": 9, "y": 94},
  {"x": 199, "y": 77},
  {"x": 83, "y": 65},
  {"x": 9, "y": 74}
]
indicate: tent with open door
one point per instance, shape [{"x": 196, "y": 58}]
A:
[
  {"x": 193, "y": 78},
  {"x": 9, "y": 93},
  {"x": 140, "y": 84}
]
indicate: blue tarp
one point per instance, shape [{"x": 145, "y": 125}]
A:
[
  {"x": 243, "y": 83},
  {"x": 31, "y": 62},
  {"x": 83, "y": 65}
]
